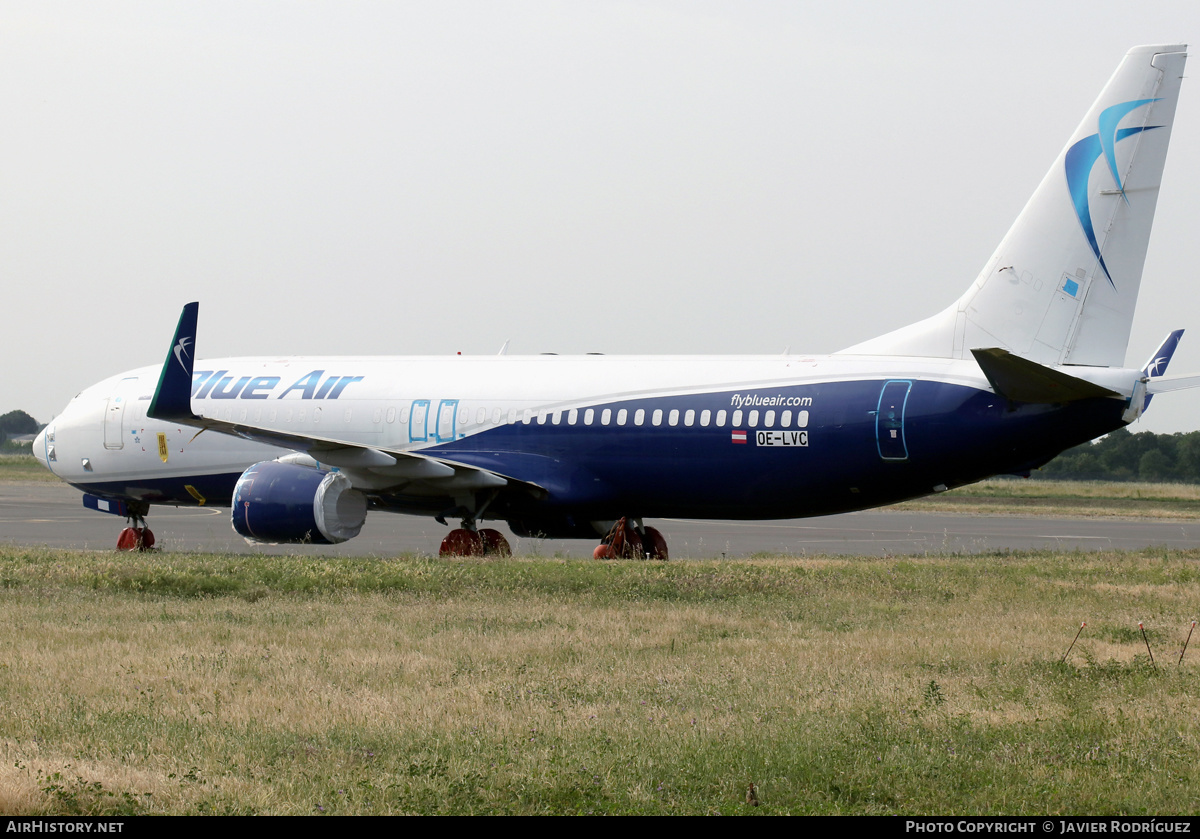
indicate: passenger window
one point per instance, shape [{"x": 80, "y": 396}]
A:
[
  {"x": 573, "y": 417},
  {"x": 606, "y": 416},
  {"x": 639, "y": 416},
  {"x": 657, "y": 418},
  {"x": 674, "y": 418},
  {"x": 720, "y": 419},
  {"x": 769, "y": 419},
  {"x": 588, "y": 416},
  {"x": 689, "y": 418},
  {"x": 622, "y": 415},
  {"x": 785, "y": 419},
  {"x": 802, "y": 419},
  {"x": 737, "y": 417},
  {"x": 705, "y": 416}
]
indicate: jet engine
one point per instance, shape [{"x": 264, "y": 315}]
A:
[{"x": 285, "y": 503}]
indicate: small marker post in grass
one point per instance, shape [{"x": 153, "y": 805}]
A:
[
  {"x": 1185, "y": 643},
  {"x": 1077, "y": 634},
  {"x": 1147, "y": 640}
]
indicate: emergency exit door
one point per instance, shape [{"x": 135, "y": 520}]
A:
[{"x": 889, "y": 421}]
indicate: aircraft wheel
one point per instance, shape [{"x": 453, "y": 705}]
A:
[
  {"x": 135, "y": 539},
  {"x": 624, "y": 542},
  {"x": 461, "y": 542},
  {"x": 631, "y": 545},
  {"x": 655, "y": 544},
  {"x": 494, "y": 543},
  {"x": 130, "y": 539}
]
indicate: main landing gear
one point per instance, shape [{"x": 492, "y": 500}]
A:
[
  {"x": 629, "y": 539},
  {"x": 468, "y": 541},
  {"x": 136, "y": 536}
]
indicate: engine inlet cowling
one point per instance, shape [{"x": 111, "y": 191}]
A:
[{"x": 277, "y": 503}]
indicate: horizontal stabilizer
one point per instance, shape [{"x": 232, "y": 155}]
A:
[
  {"x": 1021, "y": 380},
  {"x": 1165, "y": 385}
]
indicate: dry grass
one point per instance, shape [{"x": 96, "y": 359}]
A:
[
  {"x": 24, "y": 468},
  {"x": 414, "y": 685}
]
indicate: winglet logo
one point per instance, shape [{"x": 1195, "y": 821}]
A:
[
  {"x": 1082, "y": 156},
  {"x": 181, "y": 351}
]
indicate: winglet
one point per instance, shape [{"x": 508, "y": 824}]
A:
[{"x": 173, "y": 396}]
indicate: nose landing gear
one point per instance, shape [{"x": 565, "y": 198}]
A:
[{"x": 136, "y": 536}]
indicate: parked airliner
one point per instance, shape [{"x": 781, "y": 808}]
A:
[{"x": 1026, "y": 363}]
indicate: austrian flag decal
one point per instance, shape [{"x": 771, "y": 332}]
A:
[{"x": 739, "y": 436}]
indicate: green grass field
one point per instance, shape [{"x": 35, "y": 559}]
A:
[
  {"x": 194, "y": 684},
  {"x": 24, "y": 467}
]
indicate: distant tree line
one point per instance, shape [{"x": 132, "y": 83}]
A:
[
  {"x": 1121, "y": 456},
  {"x": 13, "y": 423},
  {"x": 18, "y": 422}
]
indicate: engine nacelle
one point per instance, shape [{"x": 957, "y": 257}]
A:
[{"x": 282, "y": 502}]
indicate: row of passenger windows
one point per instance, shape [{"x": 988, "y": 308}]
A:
[
  {"x": 589, "y": 416},
  {"x": 574, "y": 416}
]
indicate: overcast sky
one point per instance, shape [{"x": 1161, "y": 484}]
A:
[{"x": 619, "y": 177}]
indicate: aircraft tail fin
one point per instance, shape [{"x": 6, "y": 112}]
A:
[
  {"x": 1062, "y": 286},
  {"x": 173, "y": 397}
]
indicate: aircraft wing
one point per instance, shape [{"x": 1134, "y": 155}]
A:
[{"x": 368, "y": 468}]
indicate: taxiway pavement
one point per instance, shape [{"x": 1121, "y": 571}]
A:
[{"x": 37, "y": 514}]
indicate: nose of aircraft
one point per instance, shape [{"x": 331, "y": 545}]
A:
[{"x": 39, "y": 447}]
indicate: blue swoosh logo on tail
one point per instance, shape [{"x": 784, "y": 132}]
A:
[{"x": 1082, "y": 156}]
